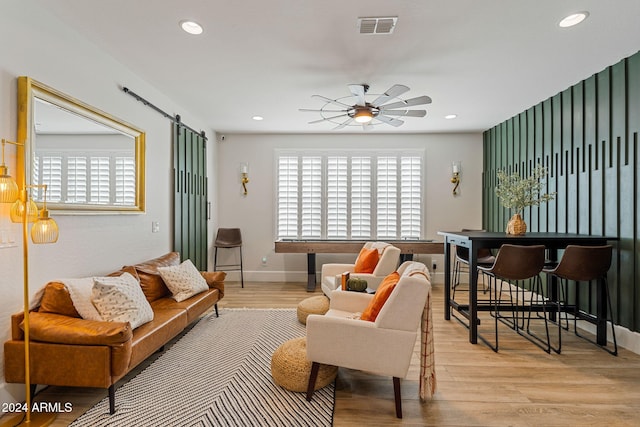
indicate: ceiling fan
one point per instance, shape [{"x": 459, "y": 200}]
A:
[{"x": 356, "y": 110}]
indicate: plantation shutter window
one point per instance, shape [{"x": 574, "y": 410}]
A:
[
  {"x": 410, "y": 197},
  {"x": 311, "y": 197},
  {"x": 337, "y": 197},
  {"x": 353, "y": 195},
  {"x": 125, "y": 188},
  {"x": 76, "y": 180},
  {"x": 92, "y": 178},
  {"x": 288, "y": 197},
  {"x": 361, "y": 198}
]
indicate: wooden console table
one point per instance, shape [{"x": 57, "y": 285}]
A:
[{"x": 313, "y": 247}]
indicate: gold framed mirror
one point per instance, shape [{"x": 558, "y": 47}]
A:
[{"x": 90, "y": 161}]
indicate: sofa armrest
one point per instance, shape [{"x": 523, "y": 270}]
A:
[
  {"x": 215, "y": 280},
  {"x": 59, "y": 329}
]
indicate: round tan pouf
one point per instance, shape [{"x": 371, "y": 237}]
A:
[
  {"x": 312, "y": 305},
  {"x": 291, "y": 369}
]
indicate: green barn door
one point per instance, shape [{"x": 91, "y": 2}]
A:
[{"x": 190, "y": 195}]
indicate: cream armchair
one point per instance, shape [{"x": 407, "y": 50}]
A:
[
  {"x": 382, "y": 347},
  {"x": 389, "y": 256}
]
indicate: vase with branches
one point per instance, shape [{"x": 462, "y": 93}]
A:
[{"x": 516, "y": 193}]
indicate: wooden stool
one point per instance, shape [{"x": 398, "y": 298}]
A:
[
  {"x": 291, "y": 369},
  {"x": 312, "y": 305}
]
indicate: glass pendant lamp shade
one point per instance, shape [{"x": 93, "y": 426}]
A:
[
  {"x": 8, "y": 188},
  {"x": 45, "y": 230},
  {"x": 17, "y": 210}
]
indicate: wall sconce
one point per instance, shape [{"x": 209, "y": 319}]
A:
[
  {"x": 456, "y": 169},
  {"x": 244, "y": 176}
]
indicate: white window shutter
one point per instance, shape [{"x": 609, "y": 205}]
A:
[
  {"x": 410, "y": 197},
  {"x": 337, "y": 197},
  {"x": 100, "y": 180},
  {"x": 387, "y": 197},
  {"x": 76, "y": 179},
  {"x": 125, "y": 187},
  {"x": 287, "y": 197},
  {"x": 311, "y": 193},
  {"x": 361, "y": 197}
]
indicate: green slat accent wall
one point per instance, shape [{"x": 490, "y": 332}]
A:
[
  {"x": 587, "y": 136},
  {"x": 190, "y": 196}
]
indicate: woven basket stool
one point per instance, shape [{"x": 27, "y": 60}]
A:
[
  {"x": 312, "y": 305},
  {"x": 290, "y": 368}
]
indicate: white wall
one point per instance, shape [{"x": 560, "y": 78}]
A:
[
  {"x": 254, "y": 213},
  {"x": 35, "y": 44}
]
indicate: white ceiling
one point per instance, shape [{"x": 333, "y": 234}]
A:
[{"x": 484, "y": 60}]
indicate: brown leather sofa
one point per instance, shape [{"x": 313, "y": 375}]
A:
[{"x": 66, "y": 350}]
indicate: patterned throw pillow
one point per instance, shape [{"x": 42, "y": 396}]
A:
[
  {"x": 184, "y": 280},
  {"x": 120, "y": 299}
]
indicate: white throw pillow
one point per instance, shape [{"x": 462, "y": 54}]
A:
[
  {"x": 120, "y": 299},
  {"x": 184, "y": 280}
]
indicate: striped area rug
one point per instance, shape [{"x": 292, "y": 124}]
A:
[{"x": 218, "y": 374}]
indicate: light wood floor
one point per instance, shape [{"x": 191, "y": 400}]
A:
[{"x": 519, "y": 386}]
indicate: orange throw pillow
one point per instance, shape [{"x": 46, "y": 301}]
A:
[
  {"x": 382, "y": 294},
  {"x": 367, "y": 261}
]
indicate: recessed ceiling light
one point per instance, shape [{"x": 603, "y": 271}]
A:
[
  {"x": 573, "y": 19},
  {"x": 450, "y": 116},
  {"x": 257, "y": 118},
  {"x": 191, "y": 27}
]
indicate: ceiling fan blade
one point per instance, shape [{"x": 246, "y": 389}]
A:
[
  {"x": 389, "y": 120},
  {"x": 392, "y": 92},
  {"x": 407, "y": 113},
  {"x": 332, "y": 101},
  {"x": 407, "y": 103},
  {"x": 358, "y": 91},
  {"x": 344, "y": 124},
  {"x": 322, "y": 111},
  {"x": 327, "y": 118}
]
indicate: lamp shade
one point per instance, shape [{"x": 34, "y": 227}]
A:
[
  {"x": 17, "y": 210},
  {"x": 45, "y": 230},
  {"x": 8, "y": 188},
  {"x": 363, "y": 115}
]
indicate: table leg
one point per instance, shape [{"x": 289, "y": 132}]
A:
[
  {"x": 601, "y": 313},
  {"x": 405, "y": 257},
  {"x": 447, "y": 279},
  {"x": 311, "y": 272},
  {"x": 473, "y": 293}
]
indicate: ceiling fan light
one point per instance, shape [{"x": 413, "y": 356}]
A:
[{"x": 363, "y": 116}]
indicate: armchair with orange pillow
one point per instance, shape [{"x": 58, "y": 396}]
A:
[
  {"x": 375, "y": 261},
  {"x": 377, "y": 333}
]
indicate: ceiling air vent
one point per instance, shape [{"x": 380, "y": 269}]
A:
[{"x": 383, "y": 25}]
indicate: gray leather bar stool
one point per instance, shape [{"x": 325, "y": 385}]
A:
[
  {"x": 583, "y": 264},
  {"x": 228, "y": 238},
  {"x": 513, "y": 266}
]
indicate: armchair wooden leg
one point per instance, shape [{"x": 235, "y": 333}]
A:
[
  {"x": 315, "y": 367},
  {"x": 216, "y": 307},
  {"x": 396, "y": 391},
  {"x": 112, "y": 399}
]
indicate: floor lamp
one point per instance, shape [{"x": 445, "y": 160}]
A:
[{"x": 44, "y": 230}]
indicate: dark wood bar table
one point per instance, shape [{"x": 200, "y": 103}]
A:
[
  {"x": 313, "y": 247},
  {"x": 474, "y": 240}
]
